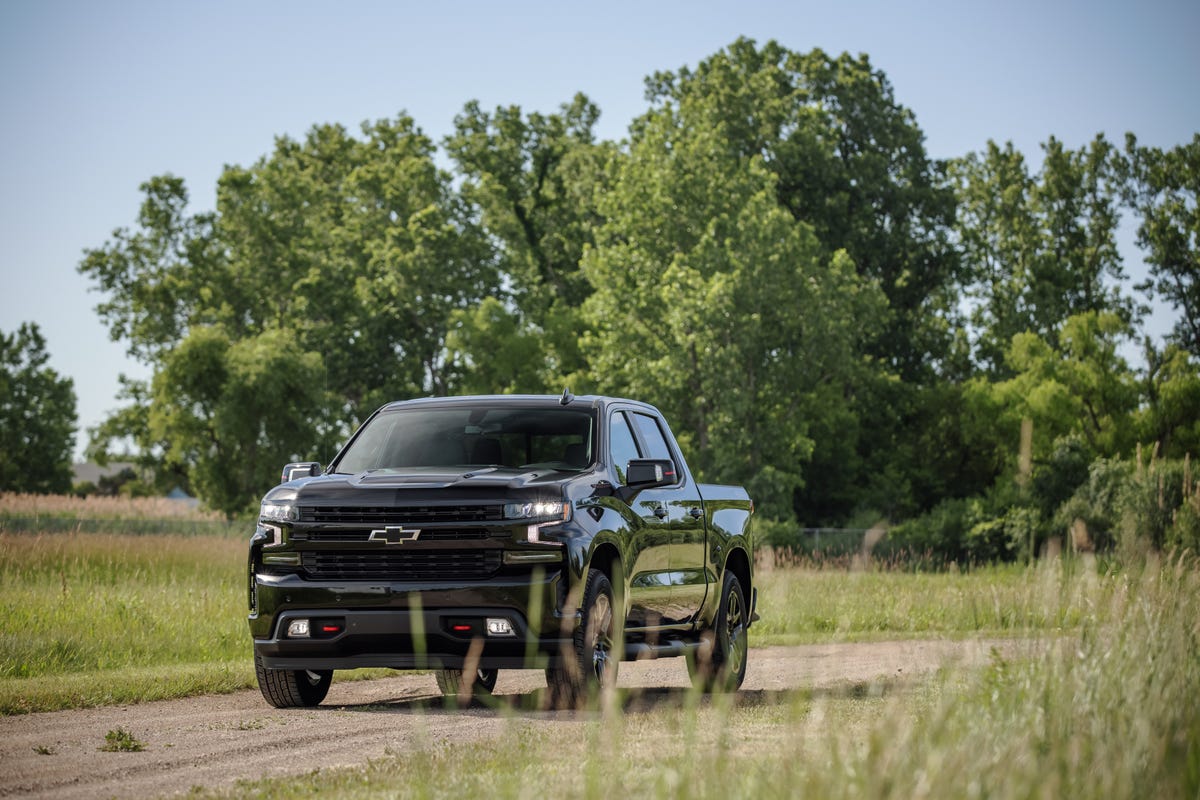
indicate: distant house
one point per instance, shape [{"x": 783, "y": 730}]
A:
[
  {"x": 92, "y": 473},
  {"x": 180, "y": 496}
]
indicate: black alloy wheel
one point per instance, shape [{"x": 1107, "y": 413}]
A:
[
  {"x": 597, "y": 648},
  {"x": 721, "y": 663}
]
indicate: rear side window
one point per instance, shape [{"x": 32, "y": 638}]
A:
[
  {"x": 622, "y": 447},
  {"x": 652, "y": 435}
]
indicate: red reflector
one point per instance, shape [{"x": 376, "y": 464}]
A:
[
  {"x": 460, "y": 628},
  {"x": 330, "y": 628}
]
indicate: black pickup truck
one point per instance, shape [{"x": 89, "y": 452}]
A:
[{"x": 472, "y": 534}]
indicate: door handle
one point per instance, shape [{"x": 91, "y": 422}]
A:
[
  {"x": 660, "y": 512},
  {"x": 696, "y": 512}
]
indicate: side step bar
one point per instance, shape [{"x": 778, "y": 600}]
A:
[{"x": 643, "y": 651}]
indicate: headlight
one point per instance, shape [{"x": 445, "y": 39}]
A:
[
  {"x": 542, "y": 511},
  {"x": 279, "y": 511}
]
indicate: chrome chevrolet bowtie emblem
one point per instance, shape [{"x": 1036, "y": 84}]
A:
[{"x": 394, "y": 534}]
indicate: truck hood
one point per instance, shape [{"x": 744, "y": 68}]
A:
[{"x": 421, "y": 484}]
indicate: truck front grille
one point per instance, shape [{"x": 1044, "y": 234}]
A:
[
  {"x": 401, "y": 515},
  {"x": 403, "y": 565},
  {"x": 426, "y": 535}
]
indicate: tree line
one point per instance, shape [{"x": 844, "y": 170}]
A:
[{"x": 850, "y": 328}]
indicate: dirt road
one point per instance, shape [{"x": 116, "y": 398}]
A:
[{"x": 213, "y": 741}]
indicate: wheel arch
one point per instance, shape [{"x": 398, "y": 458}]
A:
[
  {"x": 738, "y": 562},
  {"x": 606, "y": 557}
]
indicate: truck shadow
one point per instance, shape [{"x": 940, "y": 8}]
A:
[{"x": 632, "y": 700}]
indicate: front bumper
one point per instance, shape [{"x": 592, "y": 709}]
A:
[{"x": 413, "y": 626}]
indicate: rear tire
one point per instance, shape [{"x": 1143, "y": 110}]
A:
[
  {"x": 450, "y": 682},
  {"x": 592, "y": 666},
  {"x": 720, "y": 664},
  {"x": 292, "y": 688}
]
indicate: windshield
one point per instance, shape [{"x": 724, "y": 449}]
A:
[{"x": 473, "y": 436}]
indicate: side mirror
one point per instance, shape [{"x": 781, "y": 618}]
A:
[
  {"x": 300, "y": 469},
  {"x": 646, "y": 473}
]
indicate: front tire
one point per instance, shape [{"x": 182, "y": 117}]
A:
[
  {"x": 592, "y": 666},
  {"x": 292, "y": 688},
  {"x": 720, "y": 664},
  {"x": 450, "y": 681}
]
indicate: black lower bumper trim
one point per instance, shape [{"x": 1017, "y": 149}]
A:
[
  {"x": 539, "y": 660},
  {"x": 404, "y": 640}
]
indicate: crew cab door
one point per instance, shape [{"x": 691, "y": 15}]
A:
[
  {"x": 688, "y": 573},
  {"x": 648, "y": 544}
]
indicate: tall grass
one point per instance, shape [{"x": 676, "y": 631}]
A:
[
  {"x": 1110, "y": 712},
  {"x": 119, "y": 614},
  {"x": 806, "y": 605}
]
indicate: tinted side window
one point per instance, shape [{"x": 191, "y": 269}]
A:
[
  {"x": 621, "y": 445},
  {"x": 652, "y": 435}
]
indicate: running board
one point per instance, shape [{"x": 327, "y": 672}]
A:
[{"x": 644, "y": 651}]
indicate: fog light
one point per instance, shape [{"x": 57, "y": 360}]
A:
[
  {"x": 499, "y": 626},
  {"x": 298, "y": 628}
]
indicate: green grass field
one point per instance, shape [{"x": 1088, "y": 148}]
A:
[
  {"x": 99, "y": 618},
  {"x": 1107, "y": 707},
  {"x": 91, "y": 619},
  {"x": 1107, "y": 710}
]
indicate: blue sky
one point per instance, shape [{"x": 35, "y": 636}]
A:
[{"x": 97, "y": 97}]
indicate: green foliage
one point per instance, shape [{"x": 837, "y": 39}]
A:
[
  {"x": 1083, "y": 387},
  {"x": 1120, "y": 503},
  {"x": 1135, "y": 504},
  {"x": 1056, "y": 478},
  {"x": 323, "y": 286},
  {"x": 37, "y": 416},
  {"x": 235, "y": 411},
  {"x": 825, "y": 314},
  {"x": 1165, "y": 189},
  {"x": 959, "y": 531},
  {"x": 1170, "y": 413},
  {"x": 1185, "y": 529},
  {"x": 534, "y": 179},
  {"x": 849, "y": 163},
  {"x": 848, "y": 160},
  {"x": 701, "y": 276},
  {"x": 120, "y": 740},
  {"x": 1038, "y": 249}
]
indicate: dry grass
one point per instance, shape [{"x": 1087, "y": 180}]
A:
[{"x": 95, "y": 507}]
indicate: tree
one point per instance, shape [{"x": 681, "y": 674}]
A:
[
  {"x": 534, "y": 179},
  {"x": 715, "y": 303},
  {"x": 1165, "y": 191},
  {"x": 336, "y": 261},
  {"x": 233, "y": 412},
  {"x": 998, "y": 234},
  {"x": 850, "y": 161},
  {"x": 1169, "y": 416},
  {"x": 1082, "y": 387},
  {"x": 37, "y": 416},
  {"x": 1039, "y": 248}
]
